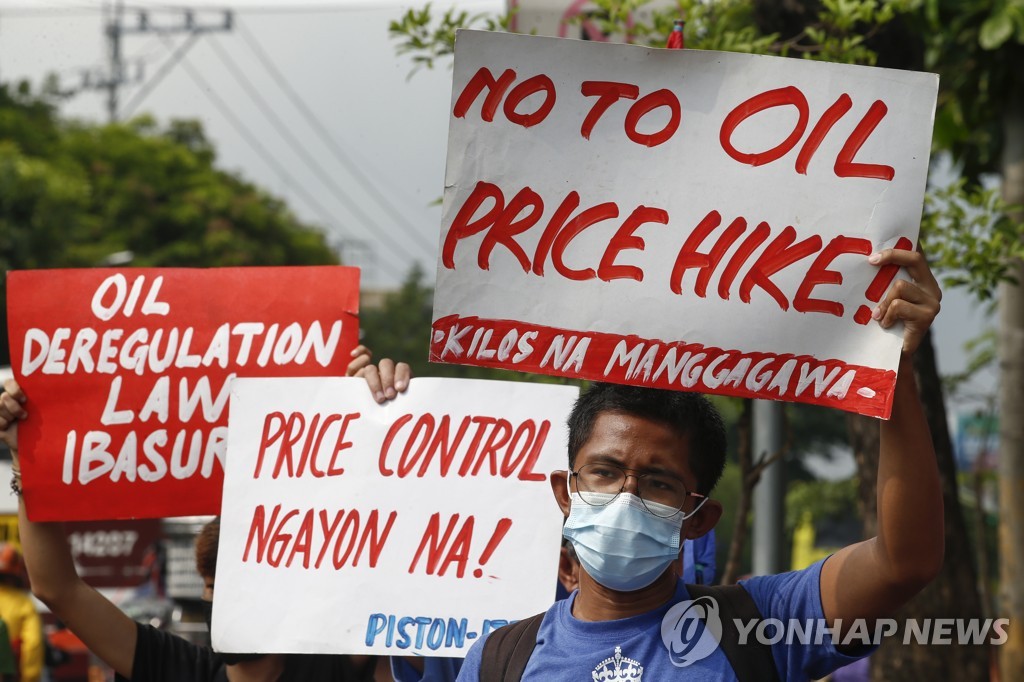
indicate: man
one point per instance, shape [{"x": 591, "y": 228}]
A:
[
  {"x": 642, "y": 463},
  {"x": 139, "y": 652}
]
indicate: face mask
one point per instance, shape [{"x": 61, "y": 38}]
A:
[{"x": 621, "y": 545}]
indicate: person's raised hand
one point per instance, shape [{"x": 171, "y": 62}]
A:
[
  {"x": 914, "y": 302},
  {"x": 12, "y": 410},
  {"x": 386, "y": 379}
]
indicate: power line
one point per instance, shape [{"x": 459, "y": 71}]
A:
[
  {"x": 157, "y": 78},
  {"x": 254, "y": 142},
  {"x": 303, "y": 153},
  {"x": 322, "y": 131}
]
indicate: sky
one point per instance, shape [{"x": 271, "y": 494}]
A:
[{"x": 309, "y": 100}]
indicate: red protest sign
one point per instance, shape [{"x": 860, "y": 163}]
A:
[{"x": 128, "y": 372}]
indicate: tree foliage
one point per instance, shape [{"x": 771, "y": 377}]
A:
[{"x": 80, "y": 195}]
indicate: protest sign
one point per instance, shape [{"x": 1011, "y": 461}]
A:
[
  {"x": 127, "y": 374},
  {"x": 678, "y": 218},
  {"x": 409, "y": 528}
]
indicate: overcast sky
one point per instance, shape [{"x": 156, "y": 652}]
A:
[{"x": 349, "y": 140}]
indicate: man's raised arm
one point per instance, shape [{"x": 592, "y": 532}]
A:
[
  {"x": 105, "y": 629},
  {"x": 871, "y": 579}
]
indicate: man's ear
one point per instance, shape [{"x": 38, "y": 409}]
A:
[
  {"x": 704, "y": 520},
  {"x": 560, "y": 488},
  {"x": 568, "y": 570}
]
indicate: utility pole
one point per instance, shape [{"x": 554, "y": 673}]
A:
[
  {"x": 116, "y": 28},
  {"x": 770, "y": 492}
]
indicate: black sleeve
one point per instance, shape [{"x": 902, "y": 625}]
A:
[{"x": 163, "y": 657}]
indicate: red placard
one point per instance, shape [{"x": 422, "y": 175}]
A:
[{"x": 127, "y": 373}]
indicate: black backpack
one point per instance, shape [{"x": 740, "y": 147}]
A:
[{"x": 508, "y": 649}]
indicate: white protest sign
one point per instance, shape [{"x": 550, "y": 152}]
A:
[
  {"x": 678, "y": 218},
  {"x": 411, "y": 528}
]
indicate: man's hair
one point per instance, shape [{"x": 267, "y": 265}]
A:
[
  {"x": 691, "y": 415},
  {"x": 206, "y": 549}
]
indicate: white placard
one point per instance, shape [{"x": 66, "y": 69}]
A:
[
  {"x": 410, "y": 528},
  {"x": 678, "y": 218}
]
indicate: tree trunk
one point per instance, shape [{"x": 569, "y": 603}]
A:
[
  {"x": 1011, "y": 409},
  {"x": 741, "y": 525},
  {"x": 954, "y": 593}
]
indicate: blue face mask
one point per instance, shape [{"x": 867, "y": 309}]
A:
[{"x": 621, "y": 545}]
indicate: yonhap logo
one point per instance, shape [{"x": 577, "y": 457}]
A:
[{"x": 691, "y": 630}]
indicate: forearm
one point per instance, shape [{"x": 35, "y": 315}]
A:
[
  {"x": 104, "y": 628},
  {"x": 48, "y": 561},
  {"x": 910, "y": 540}
]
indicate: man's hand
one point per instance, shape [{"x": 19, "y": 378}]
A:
[
  {"x": 915, "y": 303},
  {"x": 12, "y": 411},
  {"x": 386, "y": 379}
]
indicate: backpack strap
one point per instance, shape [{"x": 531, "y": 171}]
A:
[
  {"x": 508, "y": 649},
  {"x": 753, "y": 661}
]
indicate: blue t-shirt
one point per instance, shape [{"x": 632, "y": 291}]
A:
[{"x": 571, "y": 649}]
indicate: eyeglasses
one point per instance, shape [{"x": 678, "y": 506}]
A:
[{"x": 600, "y": 483}]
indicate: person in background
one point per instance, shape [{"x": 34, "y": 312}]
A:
[{"x": 24, "y": 627}]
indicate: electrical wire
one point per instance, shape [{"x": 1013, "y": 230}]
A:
[
  {"x": 303, "y": 153},
  {"x": 329, "y": 141},
  {"x": 262, "y": 151}
]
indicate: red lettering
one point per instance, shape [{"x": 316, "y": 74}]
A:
[
  {"x": 373, "y": 538},
  {"x": 608, "y": 93},
  {"x": 689, "y": 257},
  {"x": 392, "y": 432},
  {"x": 407, "y": 463},
  {"x": 624, "y": 239},
  {"x": 780, "y": 254},
  {"x": 820, "y": 274},
  {"x": 820, "y": 130},
  {"x": 432, "y": 544},
  {"x": 585, "y": 219},
  {"x": 279, "y": 543},
  {"x": 350, "y": 530},
  {"x": 464, "y": 226},
  {"x": 319, "y": 440},
  {"x": 341, "y": 444},
  {"x": 308, "y": 444},
  {"x": 269, "y": 437},
  {"x": 296, "y": 425},
  {"x": 498, "y": 437},
  {"x": 646, "y": 104},
  {"x": 260, "y": 530},
  {"x": 482, "y": 424},
  {"x": 845, "y": 166},
  {"x": 749, "y": 245},
  {"x": 328, "y": 533},
  {"x": 508, "y": 225},
  {"x": 496, "y": 90},
  {"x": 303, "y": 540},
  {"x": 527, "y": 473},
  {"x": 787, "y": 96},
  {"x": 555, "y": 225},
  {"x": 440, "y": 443},
  {"x": 530, "y": 86}
]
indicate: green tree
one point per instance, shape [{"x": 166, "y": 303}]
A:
[{"x": 80, "y": 195}]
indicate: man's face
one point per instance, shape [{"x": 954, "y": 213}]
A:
[
  {"x": 642, "y": 446},
  {"x": 637, "y": 444}
]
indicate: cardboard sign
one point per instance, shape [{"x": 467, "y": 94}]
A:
[
  {"x": 411, "y": 528},
  {"x": 127, "y": 374},
  {"x": 678, "y": 218}
]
